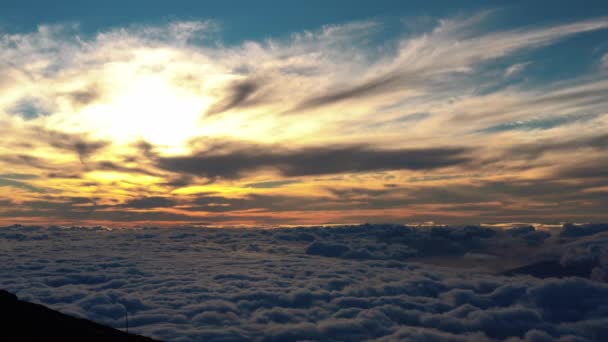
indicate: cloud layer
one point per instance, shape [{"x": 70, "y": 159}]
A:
[{"x": 377, "y": 282}]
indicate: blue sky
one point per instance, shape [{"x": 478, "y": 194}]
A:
[{"x": 254, "y": 20}]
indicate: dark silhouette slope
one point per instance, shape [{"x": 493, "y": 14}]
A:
[
  {"x": 23, "y": 321},
  {"x": 553, "y": 269}
]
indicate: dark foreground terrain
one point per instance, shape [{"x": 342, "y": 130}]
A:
[{"x": 23, "y": 321}]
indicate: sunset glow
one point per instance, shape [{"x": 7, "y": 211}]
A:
[{"x": 449, "y": 119}]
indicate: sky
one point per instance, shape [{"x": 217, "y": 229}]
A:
[{"x": 290, "y": 113}]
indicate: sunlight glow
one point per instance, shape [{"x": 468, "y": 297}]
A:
[{"x": 149, "y": 109}]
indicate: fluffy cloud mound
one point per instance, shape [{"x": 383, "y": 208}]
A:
[
  {"x": 368, "y": 282},
  {"x": 571, "y": 230}
]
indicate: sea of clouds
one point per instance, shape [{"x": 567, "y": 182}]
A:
[{"x": 368, "y": 282}]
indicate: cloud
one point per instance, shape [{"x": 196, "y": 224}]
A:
[
  {"x": 537, "y": 123},
  {"x": 238, "y": 94},
  {"x": 598, "y": 142},
  {"x": 384, "y": 84},
  {"x": 587, "y": 170},
  {"x": 78, "y": 143},
  {"x": 112, "y": 166},
  {"x": 371, "y": 111},
  {"x": 20, "y": 185},
  {"x": 311, "y": 161},
  {"x": 195, "y": 283},
  {"x": 451, "y": 48},
  {"x": 24, "y": 159},
  {"x": 571, "y": 230},
  {"x": 20, "y": 181},
  {"x": 19, "y": 176},
  {"x": 270, "y": 203},
  {"x": 327, "y": 250},
  {"x": 271, "y": 184},
  {"x": 516, "y": 69},
  {"x": 83, "y": 97},
  {"x": 150, "y": 202},
  {"x": 30, "y": 108}
]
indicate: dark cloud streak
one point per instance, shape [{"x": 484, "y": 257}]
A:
[
  {"x": 598, "y": 142},
  {"x": 234, "y": 163},
  {"x": 150, "y": 203},
  {"x": 383, "y": 84},
  {"x": 78, "y": 143},
  {"x": 85, "y": 96},
  {"x": 239, "y": 93},
  {"x": 20, "y": 185}
]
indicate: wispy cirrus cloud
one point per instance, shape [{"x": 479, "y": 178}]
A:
[{"x": 516, "y": 69}]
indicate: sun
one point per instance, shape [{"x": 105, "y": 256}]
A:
[{"x": 149, "y": 109}]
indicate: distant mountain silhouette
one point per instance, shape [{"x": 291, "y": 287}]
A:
[
  {"x": 23, "y": 321},
  {"x": 553, "y": 269}
]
